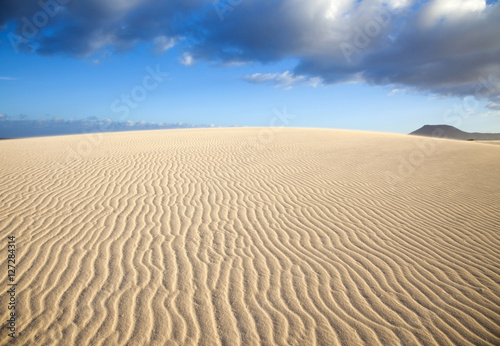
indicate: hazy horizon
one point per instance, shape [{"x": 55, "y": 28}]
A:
[{"x": 26, "y": 128}]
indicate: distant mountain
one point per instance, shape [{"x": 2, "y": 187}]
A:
[{"x": 447, "y": 131}]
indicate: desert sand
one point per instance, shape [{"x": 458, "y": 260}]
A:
[
  {"x": 251, "y": 236},
  {"x": 490, "y": 142}
]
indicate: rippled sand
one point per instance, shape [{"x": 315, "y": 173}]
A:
[{"x": 252, "y": 236}]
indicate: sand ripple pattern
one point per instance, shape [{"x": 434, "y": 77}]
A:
[{"x": 189, "y": 237}]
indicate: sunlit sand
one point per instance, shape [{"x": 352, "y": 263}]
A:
[{"x": 252, "y": 236}]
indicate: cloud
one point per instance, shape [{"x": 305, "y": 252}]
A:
[
  {"x": 491, "y": 113},
  {"x": 260, "y": 77},
  {"x": 394, "y": 91},
  {"x": 286, "y": 79},
  {"x": 437, "y": 47},
  {"x": 186, "y": 59},
  {"x": 7, "y": 78},
  {"x": 450, "y": 10},
  {"x": 163, "y": 43},
  {"x": 494, "y": 106}
]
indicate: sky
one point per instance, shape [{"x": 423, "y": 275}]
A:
[{"x": 376, "y": 65}]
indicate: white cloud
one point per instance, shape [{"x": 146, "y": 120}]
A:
[
  {"x": 187, "y": 59},
  {"x": 314, "y": 81},
  {"x": 163, "y": 43},
  {"x": 494, "y": 106},
  {"x": 7, "y": 78},
  {"x": 286, "y": 79},
  {"x": 491, "y": 114},
  {"x": 334, "y": 9},
  {"x": 450, "y": 10},
  {"x": 260, "y": 77},
  {"x": 397, "y": 4},
  {"x": 393, "y": 92}
]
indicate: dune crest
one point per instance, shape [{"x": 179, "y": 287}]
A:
[{"x": 252, "y": 236}]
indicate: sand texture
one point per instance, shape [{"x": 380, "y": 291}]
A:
[{"x": 250, "y": 236}]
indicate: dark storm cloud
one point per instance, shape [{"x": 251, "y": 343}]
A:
[
  {"x": 82, "y": 28},
  {"x": 444, "y": 47}
]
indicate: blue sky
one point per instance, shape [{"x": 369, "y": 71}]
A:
[{"x": 235, "y": 75}]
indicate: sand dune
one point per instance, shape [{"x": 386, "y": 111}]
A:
[
  {"x": 491, "y": 142},
  {"x": 252, "y": 236}
]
